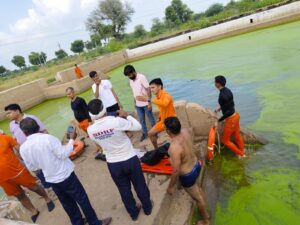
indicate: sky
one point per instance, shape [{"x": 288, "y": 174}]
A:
[{"x": 44, "y": 25}]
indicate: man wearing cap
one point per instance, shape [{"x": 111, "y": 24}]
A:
[
  {"x": 124, "y": 166},
  {"x": 231, "y": 117}
]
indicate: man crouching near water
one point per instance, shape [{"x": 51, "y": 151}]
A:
[{"x": 185, "y": 165}]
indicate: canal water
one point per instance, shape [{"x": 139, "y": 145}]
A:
[{"x": 263, "y": 71}]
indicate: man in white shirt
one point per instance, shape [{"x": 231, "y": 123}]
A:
[
  {"x": 140, "y": 87},
  {"x": 45, "y": 152},
  {"x": 15, "y": 114},
  {"x": 123, "y": 164},
  {"x": 104, "y": 91}
]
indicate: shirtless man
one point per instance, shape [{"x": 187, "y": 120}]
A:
[{"x": 185, "y": 165}]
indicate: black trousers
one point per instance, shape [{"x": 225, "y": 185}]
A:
[
  {"x": 126, "y": 173},
  {"x": 70, "y": 192}
]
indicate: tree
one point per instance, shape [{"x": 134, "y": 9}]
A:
[
  {"x": 36, "y": 58},
  {"x": 139, "y": 31},
  {"x": 198, "y": 16},
  {"x": 19, "y": 61},
  {"x": 214, "y": 9},
  {"x": 96, "y": 40},
  {"x": 112, "y": 15},
  {"x": 178, "y": 13},
  {"x": 157, "y": 27},
  {"x": 77, "y": 46},
  {"x": 2, "y": 70},
  {"x": 88, "y": 45},
  {"x": 60, "y": 54}
]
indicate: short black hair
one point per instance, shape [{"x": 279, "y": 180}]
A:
[
  {"x": 221, "y": 80},
  {"x": 157, "y": 81},
  {"x": 70, "y": 88},
  {"x": 29, "y": 126},
  {"x": 75, "y": 65},
  {"x": 13, "y": 107},
  {"x": 95, "y": 106},
  {"x": 92, "y": 74},
  {"x": 128, "y": 70},
  {"x": 173, "y": 125}
]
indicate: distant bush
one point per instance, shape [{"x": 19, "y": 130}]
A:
[
  {"x": 51, "y": 80},
  {"x": 114, "y": 46},
  {"x": 214, "y": 9}
]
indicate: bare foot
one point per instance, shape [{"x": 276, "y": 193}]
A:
[{"x": 203, "y": 222}]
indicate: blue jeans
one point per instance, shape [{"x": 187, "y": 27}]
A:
[
  {"x": 126, "y": 173},
  {"x": 70, "y": 192},
  {"x": 141, "y": 111}
]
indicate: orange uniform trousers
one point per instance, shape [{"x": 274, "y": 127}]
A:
[
  {"x": 232, "y": 128},
  {"x": 84, "y": 124}
]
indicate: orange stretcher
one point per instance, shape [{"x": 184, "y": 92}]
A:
[
  {"x": 78, "y": 148},
  {"x": 163, "y": 167}
]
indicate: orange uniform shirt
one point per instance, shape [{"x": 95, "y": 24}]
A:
[
  {"x": 10, "y": 166},
  {"x": 165, "y": 104},
  {"x": 78, "y": 72}
]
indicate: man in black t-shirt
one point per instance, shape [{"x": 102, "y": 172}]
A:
[
  {"x": 79, "y": 108},
  {"x": 231, "y": 117}
]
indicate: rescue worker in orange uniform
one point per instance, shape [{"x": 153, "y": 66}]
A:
[
  {"x": 231, "y": 117},
  {"x": 165, "y": 104},
  {"x": 78, "y": 72}
]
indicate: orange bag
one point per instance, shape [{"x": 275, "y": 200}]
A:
[{"x": 78, "y": 148}]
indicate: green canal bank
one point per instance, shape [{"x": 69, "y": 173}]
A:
[{"x": 263, "y": 71}]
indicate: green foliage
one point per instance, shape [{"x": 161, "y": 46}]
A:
[
  {"x": 19, "y": 61},
  {"x": 214, "y": 9},
  {"x": 36, "y": 58},
  {"x": 88, "y": 45},
  {"x": 60, "y": 54},
  {"x": 177, "y": 13},
  {"x": 198, "y": 16},
  {"x": 77, "y": 46},
  {"x": 112, "y": 16},
  {"x": 114, "y": 46},
  {"x": 96, "y": 40},
  {"x": 2, "y": 70},
  {"x": 157, "y": 27},
  {"x": 51, "y": 80},
  {"x": 139, "y": 31}
]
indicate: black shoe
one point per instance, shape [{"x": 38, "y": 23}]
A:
[
  {"x": 144, "y": 136},
  {"x": 50, "y": 206},
  {"x": 34, "y": 217},
  {"x": 148, "y": 213},
  {"x": 100, "y": 156},
  {"x": 138, "y": 206}
]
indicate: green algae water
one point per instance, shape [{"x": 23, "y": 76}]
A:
[{"x": 262, "y": 69}]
